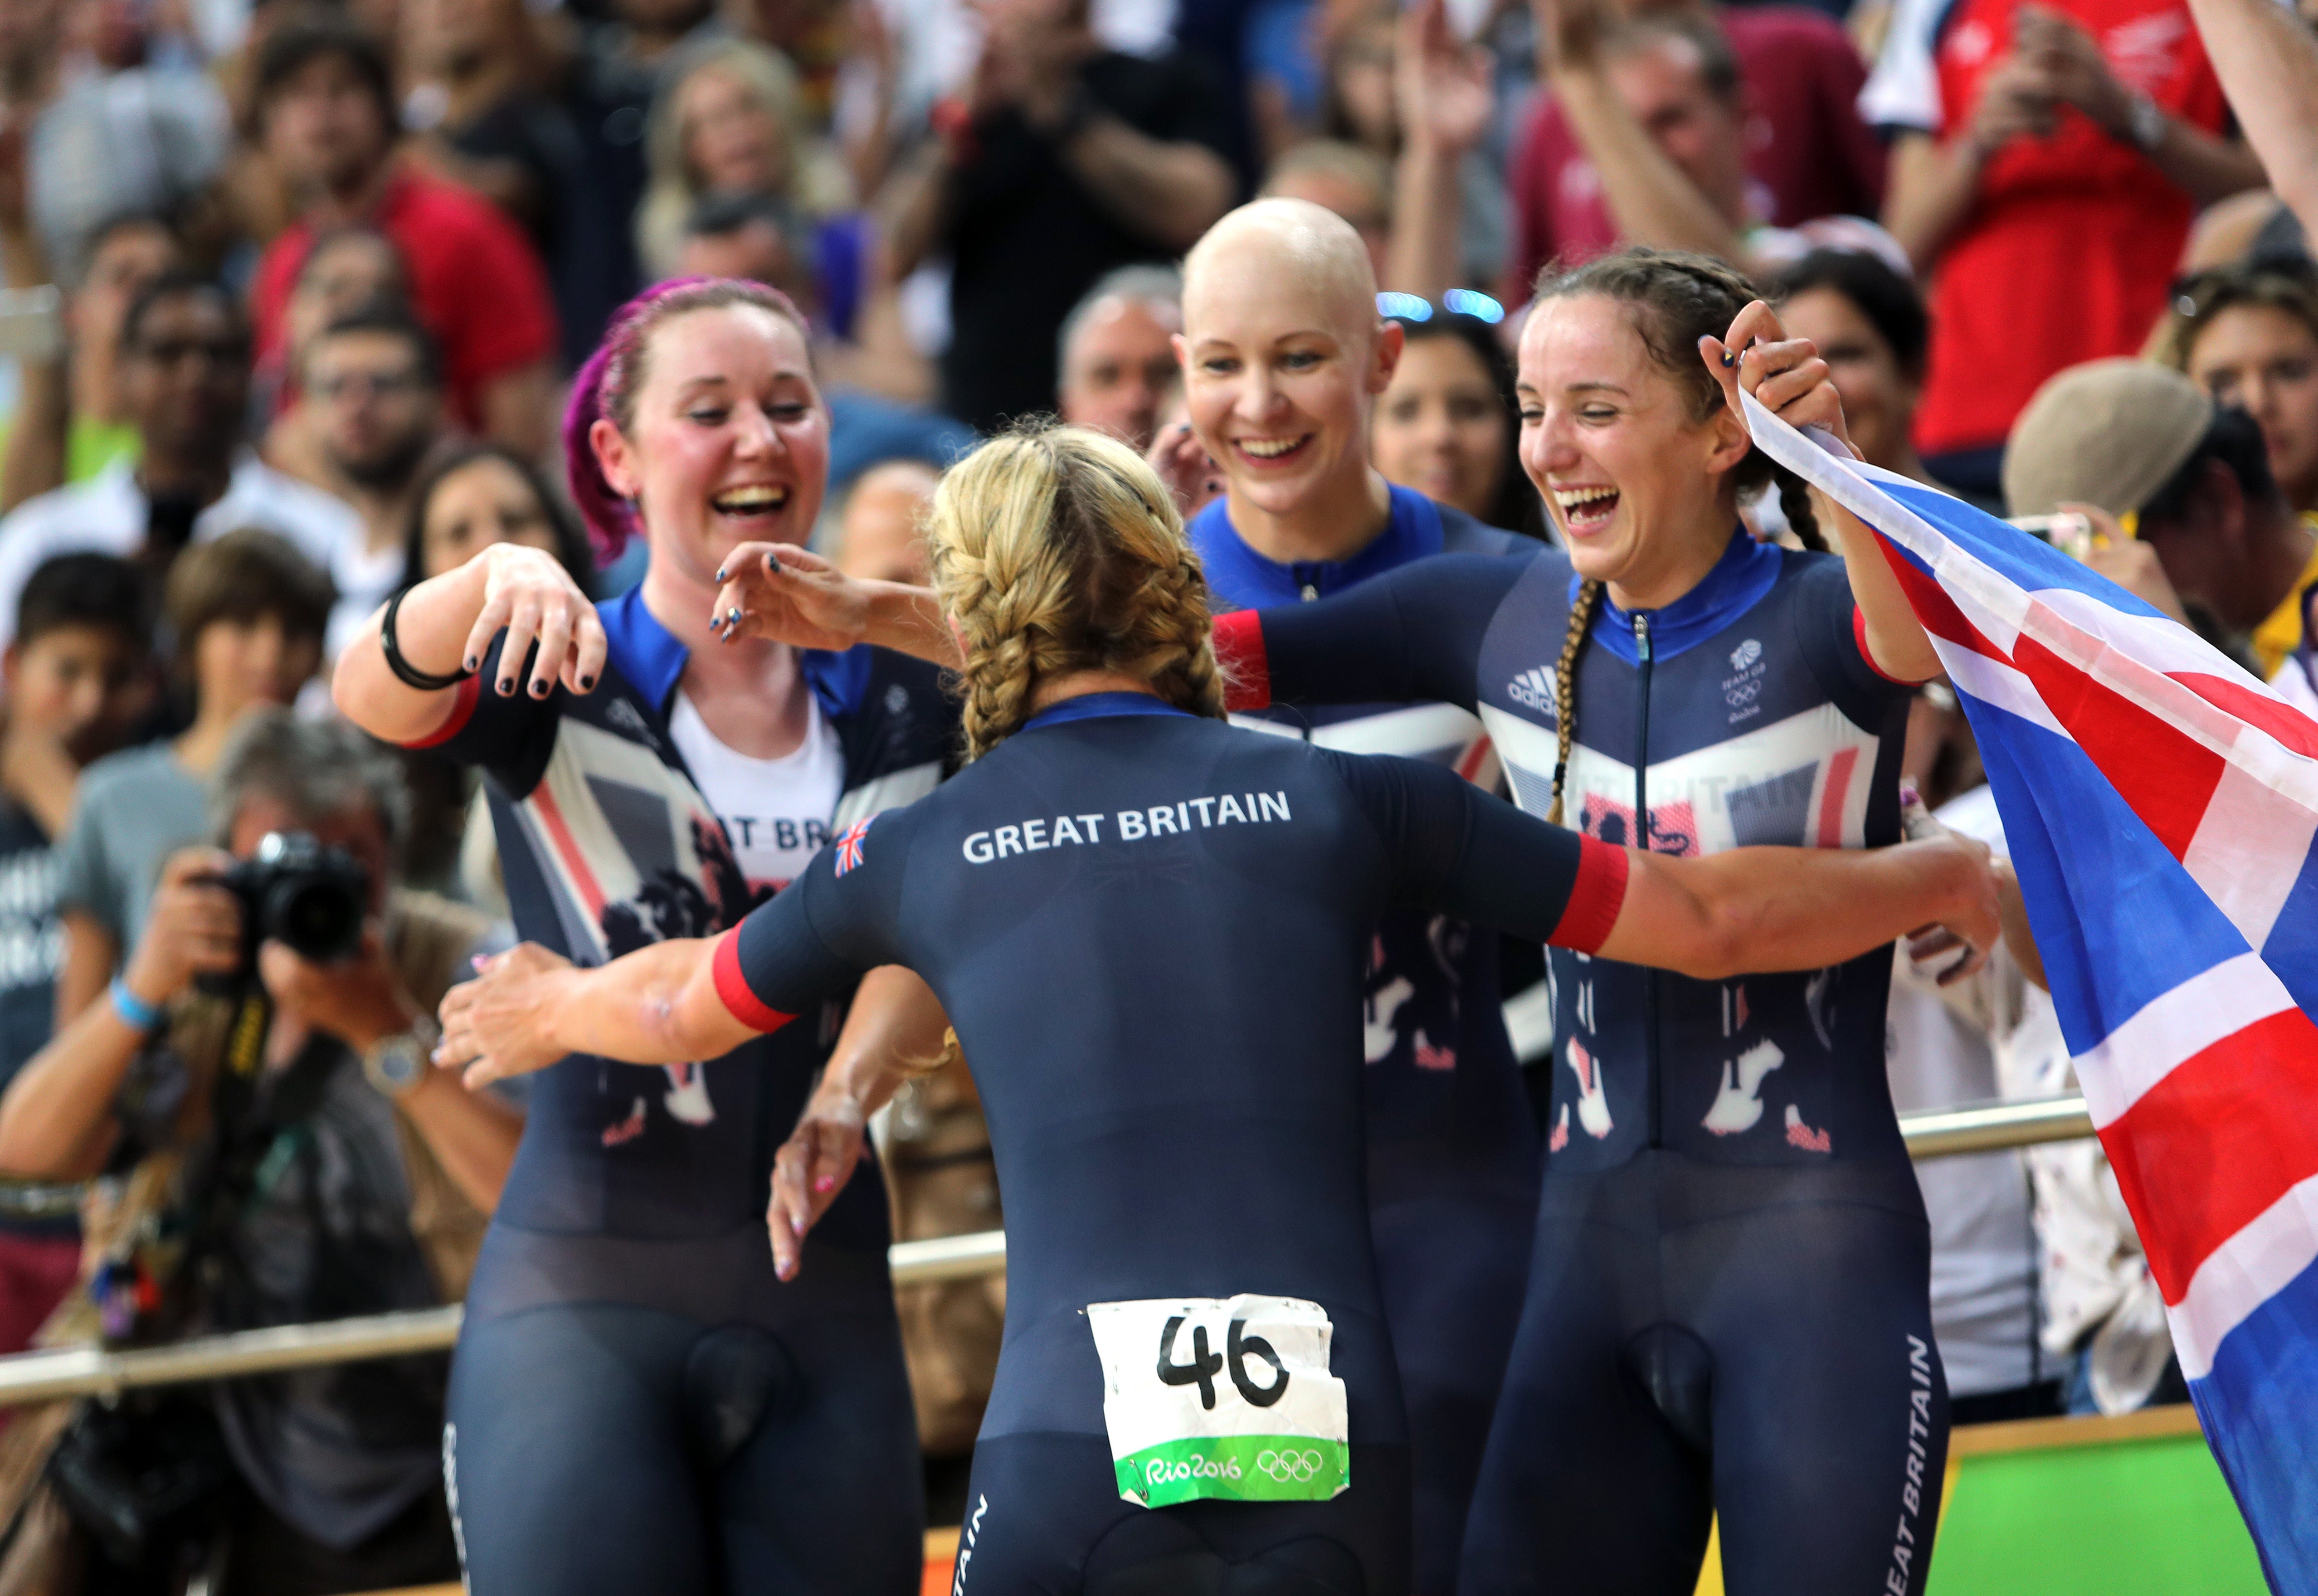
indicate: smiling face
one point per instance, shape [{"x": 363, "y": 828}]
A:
[
  {"x": 727, "y": 440},
  {"x": 1640, "y": 487},
  {"x": 1283, "y": 365},
  {"x": 1442, "y": 426},
  {"x": 1879, "y": 398},
  {"x": 481, "y": 503}
]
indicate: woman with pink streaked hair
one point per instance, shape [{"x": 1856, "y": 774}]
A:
[{"x": 639, "y": 1401}]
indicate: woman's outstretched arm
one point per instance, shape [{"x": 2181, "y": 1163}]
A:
[
  {"x": 446, "y": 624},
  {"x": 529, "y": 1007}
]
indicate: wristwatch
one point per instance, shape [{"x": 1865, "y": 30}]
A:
[
  {"x": 397, "y": 1065},
  {"x": 2144, "y": 124}
]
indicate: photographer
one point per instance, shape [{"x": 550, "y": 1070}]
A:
[{"x": 338, "y": 1176}]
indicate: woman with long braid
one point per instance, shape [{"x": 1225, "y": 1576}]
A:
[
  {"x": 1728, "y": 1299},
  {"x": 639, "y": 1402},
  {"x": 1149, "y": 928}
]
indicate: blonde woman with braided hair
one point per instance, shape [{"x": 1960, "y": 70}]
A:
[{"x": 1149, "y": 927}]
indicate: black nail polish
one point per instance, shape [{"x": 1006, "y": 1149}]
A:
[
  {"x": 506, "y": 686},
  {"x": 586, "y": 682},
  {"x": 539, "y": 689},
  {"x": 470, "y": 663}
]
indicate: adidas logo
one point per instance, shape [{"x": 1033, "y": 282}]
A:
[{"x": 1533, "y": 688}]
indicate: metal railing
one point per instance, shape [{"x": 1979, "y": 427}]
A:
[{"x": 91, "y": 1371}]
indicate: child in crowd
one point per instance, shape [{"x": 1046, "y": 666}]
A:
[
  {"x": 247, "y": 613},
  {"x": 77, "y": 681}
]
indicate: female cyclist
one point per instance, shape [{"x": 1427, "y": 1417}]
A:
[
  {"x": 1727, "y": 1302},
  {"x": 637, "y": 1403},
  {"x": 1150, "y": 930}
]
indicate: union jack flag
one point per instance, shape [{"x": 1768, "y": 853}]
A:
[
  {"x": 848, "y": 844},
  {"x": 2160, "y": 806}
]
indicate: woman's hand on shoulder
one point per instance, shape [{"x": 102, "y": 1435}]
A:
[
  {"x": 788, "y": 595},
  {"x": 1786, "y": 375},
  {"x": 528, "y": 592}
]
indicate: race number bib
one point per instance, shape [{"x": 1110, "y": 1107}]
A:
[{"x": 1230, "y": 1399}]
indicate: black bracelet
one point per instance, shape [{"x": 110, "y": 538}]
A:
[{"x": 408, "y": 674}]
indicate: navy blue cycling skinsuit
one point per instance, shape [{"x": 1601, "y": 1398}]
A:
[
  {"x": 1728, "y": 1304},
  {"x": 637, "y": 1403},
  {"x": 1453, "y": 1144},
  {"x": 1150, "y": 930}
]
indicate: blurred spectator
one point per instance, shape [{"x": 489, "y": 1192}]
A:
[
  {"x": 348, "y": 269},
  {"x": 1660, "y": 110},
  {"x": 728, "y": 120},
  {"x": 880, "y": 533},
  {"x": 377, "y": 388},
  {"x": 1807, "y": 153},
  {"x": 1356, "y": 183},
  {"x": 125, "y": 133},
  {"x": 1941, "y": 1053},
  {"x": 1446, "y": 426},
  {"x": 2189, "y": 479},
  {"x": 185, "y": 375},
  {"x": 1448, "y": 213},
  {"x": 246, "y": 614},
  {"x": 326, "y": 107},
  {"x": 72, "y": 413},
  {"x": 1066, "y": 160},
  {"x": 1870, "y": 327},
  {"x": 2248, "y": 335},
  {"x": 77, "y": 681},
  {"x": 2043, "y": 182},
  {"x": 481, "y": 494},
  {"x": 760, "y": 239},
  {"x": 344, "y": 1177},
  {"x": 1118, "y": 353},
  {"x": 737, "y": 238},
  {"x": 490, "y": 124}
]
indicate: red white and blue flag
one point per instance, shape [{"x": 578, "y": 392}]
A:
[
  {"x": 2160, "y": 807},
  {"x": 850, "y": 844}
]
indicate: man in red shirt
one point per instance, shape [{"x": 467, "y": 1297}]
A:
[
  {"x": 2045, "y": 164},
  {"x": 325, "y": 113},
  {"x": 1808, "y": 152}
]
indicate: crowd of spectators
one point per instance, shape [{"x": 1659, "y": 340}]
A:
[{"x": 295, "y": 290}]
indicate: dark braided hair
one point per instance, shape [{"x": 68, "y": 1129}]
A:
[{"x": 1678, "y": 299}]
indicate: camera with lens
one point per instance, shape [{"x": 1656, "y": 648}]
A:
[{"x": 309, "y": 898}]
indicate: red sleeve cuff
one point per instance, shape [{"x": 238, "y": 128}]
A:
[
  {"x": 463, "y": 710},
  {"x": 1859, "y": 636},
  {"x": 732, "y": 986},
  {"x": 1594, "y": 898},
  {"x": 1239, "y": 650}
]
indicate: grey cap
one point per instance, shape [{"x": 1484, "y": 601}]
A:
[{"x": 2109, "y": 433}]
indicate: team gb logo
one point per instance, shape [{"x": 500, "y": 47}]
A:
[{"x": 1746, "y": 654}]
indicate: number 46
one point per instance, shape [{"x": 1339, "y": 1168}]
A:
[{"x": 1204, "y": 1366}]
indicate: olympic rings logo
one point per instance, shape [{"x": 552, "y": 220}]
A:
[{"x": 1290, "y": 1467}]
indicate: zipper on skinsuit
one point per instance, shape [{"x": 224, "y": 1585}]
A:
[{"x": 1642, "y": 827}]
